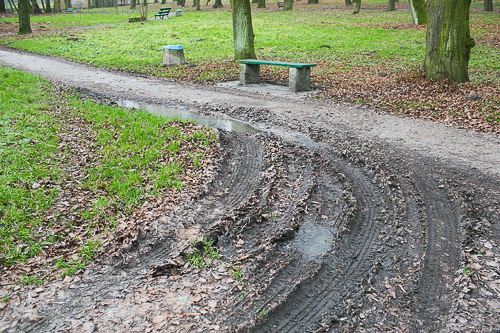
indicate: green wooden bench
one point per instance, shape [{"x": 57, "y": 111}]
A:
[
  {"x": 163, "y": 12},
  {"x": 69, "y": 10},
  {"x": 299, "y": 74},
  {"x": 281, "y": 4}
]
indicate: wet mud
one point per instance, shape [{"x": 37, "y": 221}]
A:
[
  {"x": 337, "y": 234},
  {"x": 335, "y": 231}
]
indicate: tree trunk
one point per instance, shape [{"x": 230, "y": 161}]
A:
[
  {"x": 43, "y": 6},
  {"x": 47, "y": 6},
  {"x": 392, "y": 5},
  {"x": 348, "y": 2},
  {"x": 35, "y": 8},
  {"x": 261, "y": 4},
  {"x": 488, "y": 5},
  {"x": 418, "y": 11},
  {"x": 57, "y": 6},
  {"x": 311, "y": 2},
  {"x": 357, "y": 8},
  {"x": 448, "y": 40},
  {"x": 13, "y": 6},
  {"x": 2, "y": 7},
  {"x": 218, "y": 4},
  {"x": 242, "y": 30},
  {"x": 163, "y": 2},
  {"x": 288, "y": 5},
  {"x": 68, "y": 3},
  {"x": 24, "y": 17},
  {"x": 198, "y": 4},
  {"x": 132, "y": 4}
]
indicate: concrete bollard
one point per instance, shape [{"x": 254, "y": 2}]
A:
[{"x": 173, "y": 55}]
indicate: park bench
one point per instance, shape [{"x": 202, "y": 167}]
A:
[
  {"x": 281, "y": 4},
  {"x": 163, "y": 12},
  {"x": 69, "y": 10},
  {"x": 299, "y": 74}
]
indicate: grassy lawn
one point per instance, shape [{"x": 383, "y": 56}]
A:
[
  {"x": 72, "y": 169},
  {"x": 374, "y": 58}
]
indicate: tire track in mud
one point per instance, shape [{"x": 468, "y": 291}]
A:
[
  {"x": 239, "y": 175},
  {"x": 317, "y": 297},
  {"x": 442, "y": 253}
]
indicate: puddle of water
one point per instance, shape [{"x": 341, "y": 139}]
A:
[
  {"x": 210, "y": 121},
  {"x": 313, "y": 240}
]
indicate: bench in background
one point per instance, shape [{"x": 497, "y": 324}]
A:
[
  {"x": 163, "y": 12},
  {"x": 299, "y": 74}
]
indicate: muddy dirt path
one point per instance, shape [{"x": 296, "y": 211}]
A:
[{"x": 340, "y": 219}]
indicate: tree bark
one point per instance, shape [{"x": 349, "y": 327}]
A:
[
  {"x": 24, "y": 17},
  {"x": 218, "y": 4},
  {"x": 392, "y": 5},
  {"x": 448, "y": 40},
  {"x": 243, "y": 36},
  {"x": 261, "y": 4},
  {"x": 488, "y": 5},
  {"x": 133, "y": 3},
  {"x": 35, "y": 8},
  {"x": 198, "y": 4},
  {"x": 47, "y": 6},
  {"x": 418, "y": 11},
  {"x": 57, "y": 6},
  {"x": 348, "y": 2},
  {"x": 13, "y": 6},
  {"x": 288, "y": 5},
  {"x": 357, "y": 8},
  {"x": 2, "y": 7}
]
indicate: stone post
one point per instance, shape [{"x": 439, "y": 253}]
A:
[{"x": 173, "y": 55}]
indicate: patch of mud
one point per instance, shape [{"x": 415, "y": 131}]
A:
[{"x": 332, "y": 229}]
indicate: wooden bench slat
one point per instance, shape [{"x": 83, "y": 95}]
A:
[{"x": 275, "y": 63}]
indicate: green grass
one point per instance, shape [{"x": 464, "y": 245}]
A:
[
  {"x": 354, "y": 40},
  {"x": 130, "y": 156}
]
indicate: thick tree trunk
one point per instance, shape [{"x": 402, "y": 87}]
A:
[
  {"x": 418, "y": 11},
  {"x": 392, "y": 5},
  {"x": 357, "y": 8},
  {"x": 242, "y": 30},
  {"x": 2, "y": 7},
  {"x": 198, "y": 4},
  {"x": 163, "y": 2},
  {"x": 348, "y": 2},
  {"x": 288, "y": 5},
  {"x": 24, "y": 17},
  {"x": 218, "y": 4},
  {"x": 448, "y": 40},
  {"x": 261, "y": 4},
  {"x": 47, "y": 6},
  {"x": 133, "y": 3},
  {"x": 488, "y": 5}
]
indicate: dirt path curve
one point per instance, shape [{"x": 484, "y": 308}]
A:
[
  {"x": 481, "y": 151},
  {"x": 340, "y": 219}
]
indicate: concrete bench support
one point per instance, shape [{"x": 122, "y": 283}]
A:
[
  {"x": 249, "y": 74},
  {"x": 173, "y": 55},
  {"x": 299, "y": 79},
  {"x": 299, "y": 73}
]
